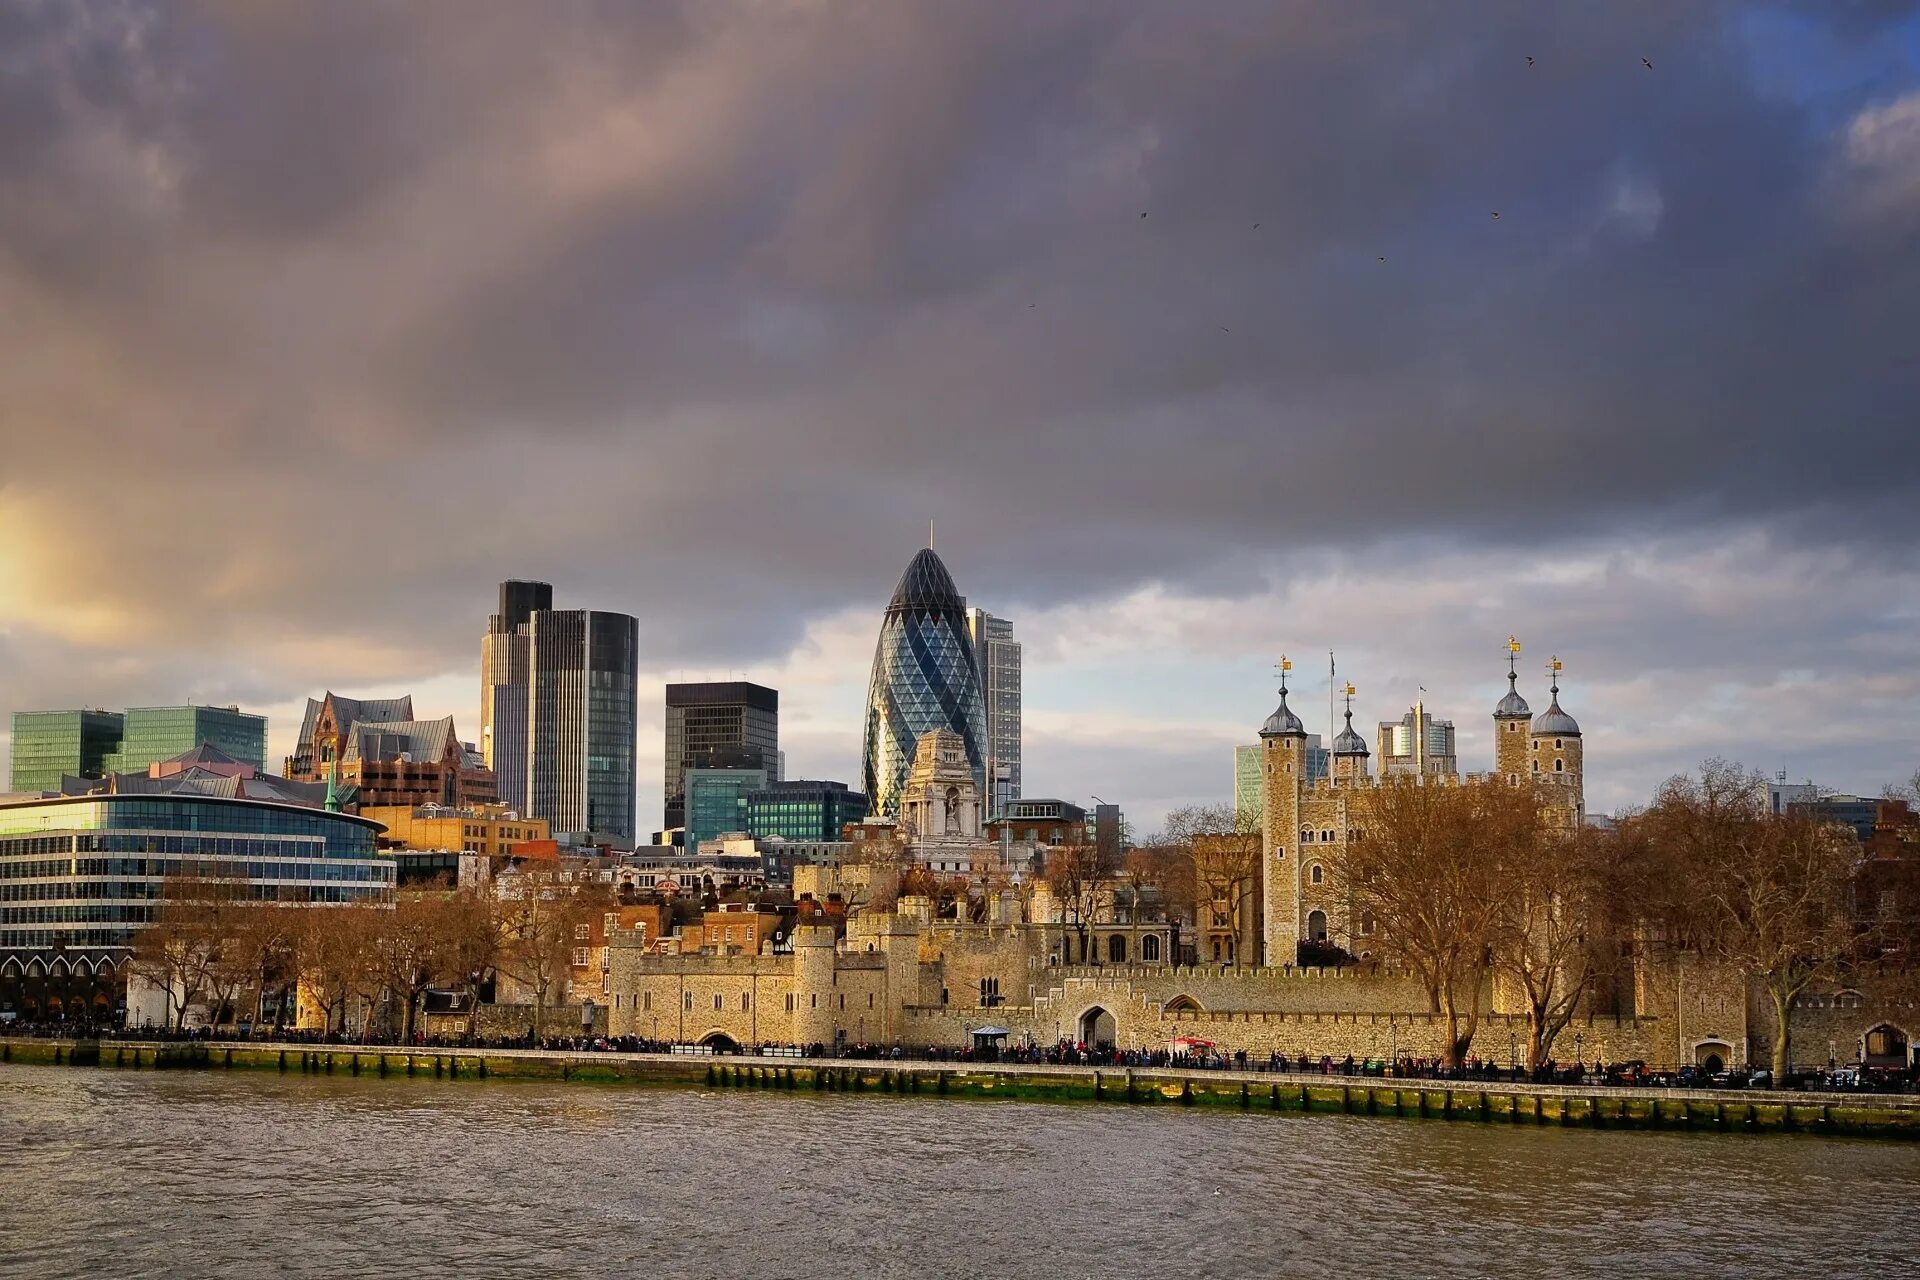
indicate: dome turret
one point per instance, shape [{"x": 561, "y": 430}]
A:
[
  {"x": 1283, "y": 723},
  {"x": 1553, "y": 722},
  {"x": 1349, "y": 743}
]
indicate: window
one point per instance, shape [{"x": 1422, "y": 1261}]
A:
[
  {"x": 1279, "y": 852},
  {"x": 1557, "y": 744},
  {"x": 686, "y": 1001},
  {"x": 746, "y": 1001},
  {"x": 1366, "y": 923},
  {"x": 1559, "y": 766},
  {"x": 1315, "y": 874},
  {"x": 789, "y": 1002},
  {"x": 1150, "y": 947},
  {"x": 582, "y": 932},
  {"x": 716, "y": 1004},
  {"x": 1536, "y": 766},
  {"x": 580, "y": 956}
]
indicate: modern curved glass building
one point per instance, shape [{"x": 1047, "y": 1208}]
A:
[{"x": 924, "y": 678}]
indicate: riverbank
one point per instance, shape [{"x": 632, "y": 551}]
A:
[{"x": 1723, "y": 1111}]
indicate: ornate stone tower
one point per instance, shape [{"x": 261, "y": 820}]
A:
[
  {"x": 1283, "y": 776},
  {"x": 1557, "y": 754},
  {"x": 1510, "y": 721}
]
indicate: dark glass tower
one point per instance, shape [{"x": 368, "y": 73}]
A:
[
  {"x": 718, "y": 725},
  {"x": 504, "y": 680},
  {"x": 924, "y": 678},
  {"x": 583, "y": 665}
]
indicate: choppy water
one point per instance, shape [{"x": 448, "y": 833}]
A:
[{"x": 194, "y": 1173}]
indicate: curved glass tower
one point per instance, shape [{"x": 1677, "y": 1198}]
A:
[{"x": 924, "y": 678}]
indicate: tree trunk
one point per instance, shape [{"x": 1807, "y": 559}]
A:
[
  {"x": 1452, "y": 1051},
  {"x": 1780, "y": 1040},
  {"x": 1538, "y": 1043}
]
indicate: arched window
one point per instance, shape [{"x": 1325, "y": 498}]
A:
[
  {"x": 1557, "y": 744},
  {"x": 1317, "y": 926},
  {"x": 1117, "y": 949},
  {"x": 1315, "y": 874},
  {"x": 1559, "y": 766},
  {"x": 1306, "y": 836},
  {"x": 1150, "y": 948},
  {"x": 1536, "y": 766},
  {"x": 1279, "y": 852}
]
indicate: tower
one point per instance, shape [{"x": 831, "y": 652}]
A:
[
  {"x": 925, "y": 677},
  {"x": 1556, "y": 750},
  {"x": 1349, "y": 758},
  {"x": 504, "y": 679},
  {"x": 998, "y": 656},
  {"x": 1283, "y": 755},
  {"x": 583, "y": 665},
  {"x": 1510, "y": 720}
]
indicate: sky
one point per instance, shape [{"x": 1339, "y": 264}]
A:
[{"x": 1204, "y": 332}]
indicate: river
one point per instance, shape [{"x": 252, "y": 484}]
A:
[{"x": 240, "y": 1174}]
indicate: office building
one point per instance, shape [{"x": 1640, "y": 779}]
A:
[
  {"x": 717, "y": 802},
  {"x": 810, "y": 812},
  {"x": 1246, "y": 775},
  {"x": 583, "y": 668},
  {"x": 504, "y": 651},
  {"x": 82, "y": 870},
  {"x": 51, "y": 745},
  {"x": 998, "y": 655},
  {"x": 924, "y": 678},
  {"x": 1416, "y": 743},
  {"x": 720, "y": 724}
]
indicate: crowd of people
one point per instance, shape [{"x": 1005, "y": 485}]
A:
[{"x": 1065, "y": 1052}]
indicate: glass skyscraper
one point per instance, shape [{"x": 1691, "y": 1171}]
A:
[
  {"x": 504, "y": 681},
  {"x": 924, "y": 678},
  {"x": 717, "y": 802},
  {"x": 721, "y": 724},
  {"x": 998, "y": 655},
  {"x": 583, "y": 666}
]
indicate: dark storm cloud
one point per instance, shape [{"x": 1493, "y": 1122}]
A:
[{"x": 702, "y": 311}]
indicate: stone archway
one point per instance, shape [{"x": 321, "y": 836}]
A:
[
  {"x": 1183, "y": 1004},
  {"x": 1316, "y": 926},
  {"x": 1712, "y": 1056},
  {"x": 1097, "y": 1027},
  {"x": 1886, "y": 1045},
  {"x": 720, "y": 1042}
]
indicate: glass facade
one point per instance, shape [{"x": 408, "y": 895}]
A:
[
  {"x": 717, "y": 802},
  {"x": 87, "y": 873},
  {"x": 810, "y": 812},
  {"x": 724, "y": 724},
  {"x": 50, "y": 744},
  {"x": 998, "y": 655},
  {"x": 582, "y": 720},
  {"x": 161, "y": 733},
  {"x": 924, "y": 678}
]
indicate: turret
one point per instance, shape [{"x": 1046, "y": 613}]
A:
[
  {"x": 1349, "y": 757},
  {"x": 1556, "y": 747},
  {"x": 1511, "y": 719}
]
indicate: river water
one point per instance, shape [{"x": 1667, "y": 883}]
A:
[{"x": 116, "y": 1173}]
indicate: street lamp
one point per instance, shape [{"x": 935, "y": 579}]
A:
[
  {"x": 1513, "y": 1051},
  {"x": 1579, "y": 1056}
]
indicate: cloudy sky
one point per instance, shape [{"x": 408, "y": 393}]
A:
[{"x": 1442, "y": 322}]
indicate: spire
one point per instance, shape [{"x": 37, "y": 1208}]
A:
[
  {"x": 929, "y": 533},
  {"x": 1553, "y": 722},
  {"x": 1513, "y": 706},
  {"x": 332, "y": 802}
]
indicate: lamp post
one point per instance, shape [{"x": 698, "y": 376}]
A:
[
  {"x": 1579, "y": 1056},
  {"x": 1513, "y": 1052}
]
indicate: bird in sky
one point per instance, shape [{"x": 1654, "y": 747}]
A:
[
  {"x": 1383, "y": 257},
  {"x": 1529, "y": 59},
  {"x": 1647, "y": 63},
  {"x": 1256, "y": 226},
  {"x": 1143, "y": 213},
  {"x": 1224, "y": 329},
  {"x": 1496, "y": 213}
]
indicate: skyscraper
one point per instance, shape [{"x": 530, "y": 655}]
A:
[
  {"x": 92, "y": 744},
  {"x": 503, "y": 686},
  {"x": 583, "y": 666},
  {"x": 723, "y": 724},
  {"x": 924, "y": 678},
  {"x": 998, "y": 655}
]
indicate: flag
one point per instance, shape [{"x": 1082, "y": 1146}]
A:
[
  {"x": 1349, "y": 690},
  {"x": 1513, "y": 645}
]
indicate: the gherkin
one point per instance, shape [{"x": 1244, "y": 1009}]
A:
[{"x": 925, "y": 677}]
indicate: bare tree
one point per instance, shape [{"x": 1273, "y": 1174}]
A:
[
  {"x": 1223, "y": 847},
  {"x": 540, "y": 913},
  {"x": 1767, "y": 894},
  {"x": 181, "y": 949},
  {"x": 1428, "y": 876},
  {"x": 1079, "y": 874},
  {"x": 1555, "y": 938}
]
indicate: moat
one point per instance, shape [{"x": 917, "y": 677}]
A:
[{"x": 213, "y": 1173}]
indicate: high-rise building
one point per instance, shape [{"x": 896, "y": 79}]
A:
[
  {"x": 583, "y": 669},
  {"x": 503, "y": 686},
  {"x": 1417, "y": 743},
  {"x": 998, "y": 655},
  {"x": 722, "y": 724},
  {"x": 49, "y": 745},
  {"x": 924, "y": 678},
  {"x": 91, "y": 744},
  {"x": 161, "y": 733},
  {"x": 814, "y": 812}
]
